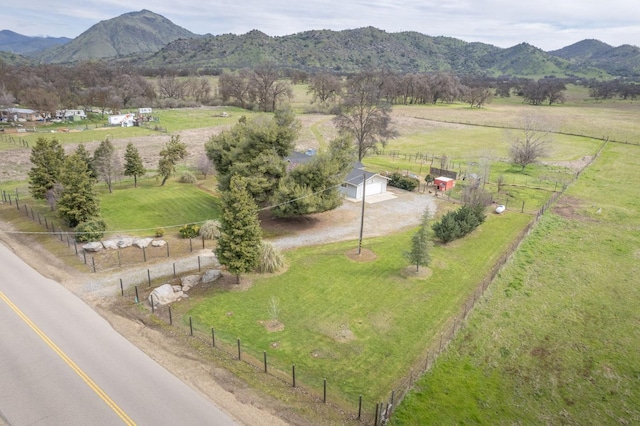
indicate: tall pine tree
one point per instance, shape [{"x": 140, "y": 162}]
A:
[
  {"x": 240, "y": 233},
  {"x": 79, "y": 200},
  {"x": 421, "y": 244},
  {"x": 47, "y": 158},
  {"x": 133, "y": 163}
]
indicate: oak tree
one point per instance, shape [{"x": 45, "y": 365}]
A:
[
  {"x": 364, "y": 114},
  {"x": 173, "y": 152}
]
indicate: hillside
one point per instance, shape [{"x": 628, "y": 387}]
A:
[
  {"x": 24, "y": 45},
  {"x": 135, "y": 32},
  {"x": 621, "y": 61},
  {"x": 352, "y": 50},
  {"x": 146, "y": 39},
  {"x": 343, "y": 51}
]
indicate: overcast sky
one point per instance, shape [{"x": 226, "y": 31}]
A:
[{"x": 546, "y": 24}]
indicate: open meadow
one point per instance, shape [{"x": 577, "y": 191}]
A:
[{"x": 553, "y": 339}]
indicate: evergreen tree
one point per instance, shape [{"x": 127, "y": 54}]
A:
[
  {"x": 47, "y": 158},
  {"x": 239, "y": 243},
  {"x": 83, "y": 153},
  {"x": 107, "y": 163},
  {"x": 78, "y": 201},
  {"x": 255, "y": 150},
  {"x": 448, "y": 228},
  {"x": 133, "y": 163},
  {"x": 314, "y": 187},
  {"x": 173, "y": 152},
  {"x": 421, "y": 245}
]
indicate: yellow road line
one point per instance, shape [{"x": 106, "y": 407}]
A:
[{"x": 125, "y": 418}]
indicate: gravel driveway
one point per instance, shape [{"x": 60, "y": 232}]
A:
[{"x": 383, "y": 214}]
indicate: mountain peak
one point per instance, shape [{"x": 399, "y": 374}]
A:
[{"x": 134, "y": 32}]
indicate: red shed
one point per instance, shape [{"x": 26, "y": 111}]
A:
[{"x": 444, "y": 183}]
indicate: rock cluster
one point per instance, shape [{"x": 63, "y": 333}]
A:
[
  {"x": 124, "y": 242},
  {"x": 168, "y": 293}
]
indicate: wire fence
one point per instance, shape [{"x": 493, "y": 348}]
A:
[
  {"x": 371, "y": 412},
  {"x": 111, "y": 253}
]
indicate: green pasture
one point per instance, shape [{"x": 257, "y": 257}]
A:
[
  {"x": 324, "y": 295},
  {"x": 616, "y": 120},
  {"x": 556, "y": 341},
  {"x": 170, "y": 120},
  {"x": 139, "y": 211}
]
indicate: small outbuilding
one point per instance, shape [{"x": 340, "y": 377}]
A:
[
  {"x": 359, "y": 182},
  {"x": 444, "y": 183}
]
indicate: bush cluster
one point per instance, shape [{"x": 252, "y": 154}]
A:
[
  {"x": 210, "y": 229},
  {"x": 403, "y": 182},
  {"x": 270, "y": 260},
  {"x": 92, "y": 230},
  {"x": 459, "y": 223},
  {"x": 189, "y": 231},
  {"x": 187, "y": 178}
]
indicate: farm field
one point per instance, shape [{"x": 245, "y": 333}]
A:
[
  {"x": 534, "y": 344},
  {"x": 555, "y": 340}
]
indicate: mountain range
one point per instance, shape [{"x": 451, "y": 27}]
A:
[
  {"x": 146, "y": 39},
  {"x": 24, "y": 45}
]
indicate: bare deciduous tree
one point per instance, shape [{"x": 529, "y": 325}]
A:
[
  {"x": 171, "y": 87},
  {"x": 363, "y": 113},
  {"x": 530, "y": 142},
  {"x": 235, "y": 86},
  {"x": 266, "y": 87},
  {"x": 205, "y": 165},
  {"x": 324, "y": 87}
]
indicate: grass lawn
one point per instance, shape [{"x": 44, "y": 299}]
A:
[
  {"x": 557, "y": 340},
  {"x": 359, "y": 324},
  {"x": 139, "y": 211}
]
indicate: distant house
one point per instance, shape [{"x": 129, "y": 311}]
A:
[
  {"x": 20, "y": 114},
  {"x": 71, "y": 114},
  {"x": 359, "y": 182},
  {"x": 444, "y": 183},
  {"x": 124, "y": 120}
]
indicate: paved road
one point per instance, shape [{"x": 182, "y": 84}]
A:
[{"x": 63, "y": 364}]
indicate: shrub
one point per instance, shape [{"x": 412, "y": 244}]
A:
[
  {"x": 459, "y": 223},
  {"x": 403, "y": 182},
  {"x": 189, "y": 231},
  {"x": 187, "y": 178},
  {"x": 210, "y": 229},
  {"x": 92, "y": 230},
  {"x": 159, "y": 232},
  {"x": 447, "y": 229},
  {"x": 270, "y": 260}
]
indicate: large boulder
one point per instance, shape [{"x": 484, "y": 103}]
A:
[
  {"x": 158, "y": 243},
  {"x": 124, "y": 242},
  {"x": 93, "y": 247},
  {"x": 164, "y": 295},
  {"x": 110, "y": 244},
  {"x": 142, "y": 242},
  {"x": 189, "y": 281},
  {"x": 211, "y": 275}
]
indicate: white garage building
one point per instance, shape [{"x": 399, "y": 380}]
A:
[{"x": 359, "y": 181}]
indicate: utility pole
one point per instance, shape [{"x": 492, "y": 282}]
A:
[{"x": 364, "y": 192}]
